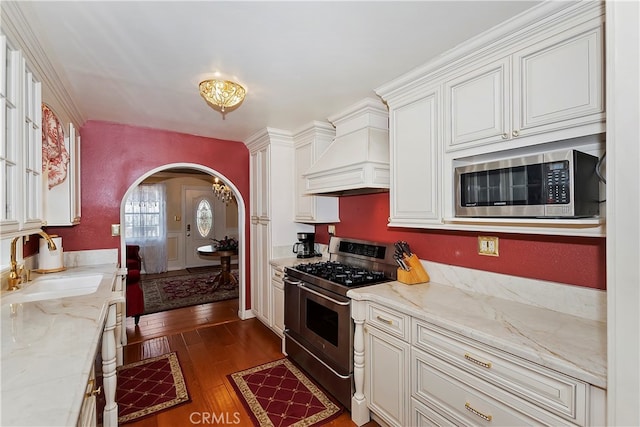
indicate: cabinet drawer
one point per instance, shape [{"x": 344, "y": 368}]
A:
[
  {"x": 277, "y": 278},
  {"x": 388, "y": 320},
  {"x": 469, "y": 400},
  {"x": 551, "y": 390},
  {"x": 422, "y": 415}
]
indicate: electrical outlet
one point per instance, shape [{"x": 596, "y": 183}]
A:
[
  {"x": 488, "y": 245},
  {"x": 332, "y": 229}
]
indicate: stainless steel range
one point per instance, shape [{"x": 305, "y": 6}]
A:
[{"x": 318, "y": 325}]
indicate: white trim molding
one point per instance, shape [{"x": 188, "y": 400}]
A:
[{"x": 623, "y": 212}]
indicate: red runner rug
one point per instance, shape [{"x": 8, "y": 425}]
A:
[
  {"x": 166, "y": 293},
  {"x": 279, "y": 394},
  {"x": 149, "y": 386}
]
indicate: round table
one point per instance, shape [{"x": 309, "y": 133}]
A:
[{"x": 224, "y": 278}]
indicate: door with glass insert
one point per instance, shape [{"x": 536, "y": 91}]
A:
[{"x": 205, "y": 220}]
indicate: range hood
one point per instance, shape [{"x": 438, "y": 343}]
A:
[{"x": 357, "y": 161}]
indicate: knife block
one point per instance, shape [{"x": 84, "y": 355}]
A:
[{"x": 416, "y": 273}]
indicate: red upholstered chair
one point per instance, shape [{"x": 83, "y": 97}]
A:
[{"x": 135, "y": 298}]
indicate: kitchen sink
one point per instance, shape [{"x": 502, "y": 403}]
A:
[{"x": 45, "y": 288}]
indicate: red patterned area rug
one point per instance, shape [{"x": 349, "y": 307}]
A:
[
  {"x": 149, "y": 386},
  {"x": 166, "y": 293},
  {"x": 279, "y": 394}
]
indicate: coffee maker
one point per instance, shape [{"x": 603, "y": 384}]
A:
[{"x": 305, "y": 246}]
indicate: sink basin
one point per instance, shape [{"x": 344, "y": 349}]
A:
[{"x": 49, "y": 288}]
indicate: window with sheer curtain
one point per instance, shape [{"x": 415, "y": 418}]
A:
[{"x": 145, "y": 225}]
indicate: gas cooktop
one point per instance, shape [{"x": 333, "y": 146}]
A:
[{"x": 352, "y": 263}]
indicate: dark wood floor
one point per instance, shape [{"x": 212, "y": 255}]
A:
[{"x": 211, "y": 342}]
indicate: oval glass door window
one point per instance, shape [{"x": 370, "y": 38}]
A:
[{"x": 204, "y": 218}]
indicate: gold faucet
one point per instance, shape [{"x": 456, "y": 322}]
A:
[{"x": 15, "y": 276}]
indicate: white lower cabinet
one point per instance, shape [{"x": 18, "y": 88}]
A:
[
  {"x": 88, "y": 414},
  {"x": 420, "y": 374},
  {"x": 386, "y": 376},
  {"x": 466, "y": 399},
  {"x": 554, "y": 392}
]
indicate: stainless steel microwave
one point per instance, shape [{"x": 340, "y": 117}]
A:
[{"x": 557, "y": 184}]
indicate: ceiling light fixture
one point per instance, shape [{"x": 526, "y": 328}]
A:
[
  {"x": 222, "y": 94},
  {"x": 222, "y": 191}
]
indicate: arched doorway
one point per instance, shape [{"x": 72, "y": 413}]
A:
[{"x": 243, "y": 313}]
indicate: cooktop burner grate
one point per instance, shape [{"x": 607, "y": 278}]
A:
[{"x": 343, "y": 274}]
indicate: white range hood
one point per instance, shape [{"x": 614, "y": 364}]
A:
[{"x": 357, "y": 161}]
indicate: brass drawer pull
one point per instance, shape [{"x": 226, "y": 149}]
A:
[
  {"x": 476, "y": 361},
  {"x": 468, "y": 407},
  {"x": 383, "y": 320}
]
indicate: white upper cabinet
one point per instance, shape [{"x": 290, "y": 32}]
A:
[
  {"x": 29, "y": 81},
  {"x": 415, "y": 172},
  {"x": 478, "y": 108},
  {"x": 536, "y": 82},
  {"x": 552, "y": 88},
  {"x": 260, "y": 178},
  {"x": 20, "y": 143},
  {"x": 310, "y": 142},
  {"x": 62, "y": 205},
  {"x": 559, "y": 83}
]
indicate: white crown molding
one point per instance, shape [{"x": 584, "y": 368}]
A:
[
  {"x": 19, "y": 29},
  {"x": 531, "y": 23}
]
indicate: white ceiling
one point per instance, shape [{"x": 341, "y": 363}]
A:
[{"x": 140, "y": 62}]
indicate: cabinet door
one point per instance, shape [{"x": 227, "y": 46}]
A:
[
  {"x": 308, "y": 208},
  {"x": 477, "y": 106},
  {"x": 254, "y": 173},
  {"x": 559, "y": 83},
  {"x": 415, "y": 164},
  {"x": 387, "y": 376},
  {"x": 304, "y": 203},
  {"x": 88, "y": 414},
  {"x": 10, "y": 176},
  {"x": 260, "y": 294},
  {"x": 260, "y": 184},
  {"x": 20, "y": 143},
  {"x": 264, "y": 184},
  {"x": 32, "y": 157},
  {"x": 62, "y": 201}
]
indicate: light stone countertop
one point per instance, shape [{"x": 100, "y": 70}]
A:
[
  {"x": 48, "y": 351},
  {"x": 554, "y": 325},
  {"x": 569, "y": 344}
]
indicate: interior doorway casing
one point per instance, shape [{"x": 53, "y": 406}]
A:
[{"x": 243, "y": 312}]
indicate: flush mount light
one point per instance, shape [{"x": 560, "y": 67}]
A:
[{"x": 222, "y": 94}]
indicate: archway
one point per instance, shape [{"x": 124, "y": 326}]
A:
[{"x": 243, "y": 313}]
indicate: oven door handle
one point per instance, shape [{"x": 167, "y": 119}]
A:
[
  {"x": 344, "y": 377},
  {"x": 304, "y": 288}
]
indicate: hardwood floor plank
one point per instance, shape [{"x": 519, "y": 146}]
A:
[{"x": 225, "y": 406}]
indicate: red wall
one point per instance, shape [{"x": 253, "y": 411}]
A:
[
  {"x": 572, "y": 260},
  {"x": 114, "y": 156}
]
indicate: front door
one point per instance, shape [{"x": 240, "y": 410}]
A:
[{"x": 205, "y": 220}]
